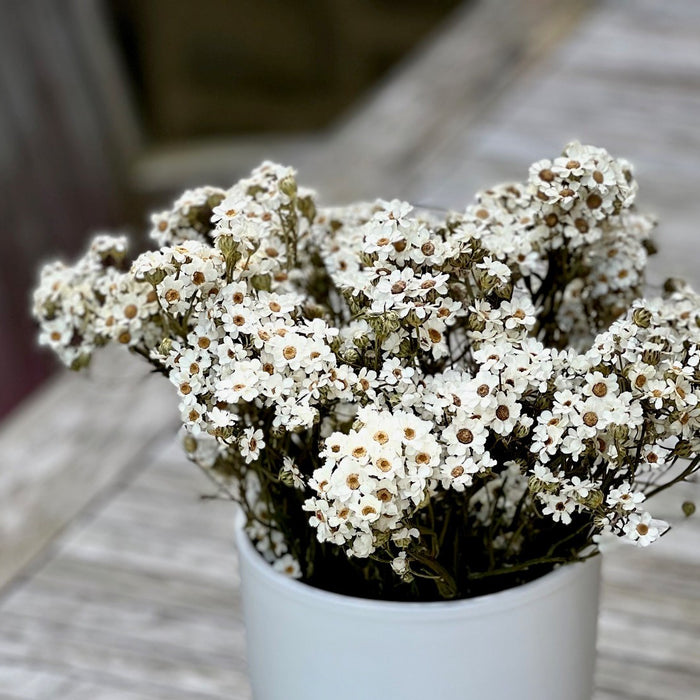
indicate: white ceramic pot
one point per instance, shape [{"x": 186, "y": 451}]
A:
[{"x": 533, "y": 642}]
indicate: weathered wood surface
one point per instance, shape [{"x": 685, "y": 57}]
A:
[
  {"x": 137, "y": 599},
  {"x": 68, "y": 443}
]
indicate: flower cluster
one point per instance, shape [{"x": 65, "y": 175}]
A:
[{"x": 457, "y": 402}]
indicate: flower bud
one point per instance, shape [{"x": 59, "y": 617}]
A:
[
  {"x": 213, "y": 200},
  {"x": 286, "y": 477},
  {"x": 288, "y": 186},
  {"x": 594, "y": 499},
  {"x": 476, "y": 323},
  {"x": 262, "y": 283},
  {"x": 688, "y": 508},
  {"x": 381, "y": 538},
  {"x": 642, "y": 317},
  {"x": 505, "y": 291},
  {"x": 226, "y": 245},
  {"x": 673, "y": 284},
  {"x": 222, "y": 432},
  {"x": 621, "y": 432},
  {"x": 80, "y": 362},
  {"x": 683, "y": 449},
  {"x": 190, "y": 444},
  {"x": 307, "y": 207},
  {"x": 651, "y": 357},
  {"x": 155, "y": 277},
  {"x": 520, "y": 431},
  {"x": 361, "y": 342}
]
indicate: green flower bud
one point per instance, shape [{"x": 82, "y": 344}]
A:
[
  {"x": 190, "y": 444},
  {"x": 361, "y": 342},
  {"x": 683, "y": 449},
  {"x": 381, "y": 538},
  {"x": 286, "y": 477},
  {"x": 520, "y": 431},
  {"x": 621, "y": 432},
  {"x": 155, "y": 277},
  {"x": 288, "y": 186},
  {"x": 505, "y": 291},
  {"x": 688, "y": 508},
  {"x": 594, "y": 500},
  {"x": 223, "y": 432},
  {"x": 226, "y": 245},
  {"x": 307, "y": 207},
  {"x": 213, "y": 200},
  {"x": 351, "y": 356},
  {"x": 81, "y": 362},
  {"x": 476, "y": 323},
  {"x": 262, "y": 283},
  {"x": 651, "y": 357},
  {"x": 642, "y": 318},
  {"x": 673, "y": 284}
]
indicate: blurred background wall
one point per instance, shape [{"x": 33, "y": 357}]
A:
[{"x": 109, "y": 107}]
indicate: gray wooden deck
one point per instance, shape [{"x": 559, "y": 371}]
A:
[{"x": 120, "y": 583}]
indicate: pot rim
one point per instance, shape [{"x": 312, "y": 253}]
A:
[{"x": 303, "y": 592}]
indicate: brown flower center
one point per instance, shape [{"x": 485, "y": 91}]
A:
[
  {"x": 551, "y": 220},
  {"x": 502, "y": 413},
  {"x": 465, "y": 436},
  {"x": 384, "y": 464},
  {"x": 600, "y": 389},
  {"x": 381, "y": 437},
  {"x": 590, "y": 418},
  {"x": 594, "y": 201},
  {"x": 131, "y": 311}
]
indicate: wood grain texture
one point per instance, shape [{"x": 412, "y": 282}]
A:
[
  {"x": 68, "y": 443},
  {"x": 137, "y": 599}
]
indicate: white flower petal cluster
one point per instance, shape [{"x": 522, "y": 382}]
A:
[
  {"x": 372, "y": 478},
  {"x": 388, "y": 374}
]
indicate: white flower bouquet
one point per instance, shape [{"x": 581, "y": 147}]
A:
[{"x": 406, "y": 404}]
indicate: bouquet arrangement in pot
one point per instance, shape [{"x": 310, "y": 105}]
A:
[{"x": 408, "y": 404}]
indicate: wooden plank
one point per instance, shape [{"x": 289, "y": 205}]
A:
[
  {"x": 68, "y": 443},
  {"x": 482, "y": 48}
]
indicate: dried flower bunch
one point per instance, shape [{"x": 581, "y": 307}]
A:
[{"x": 410, "y": 405}]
